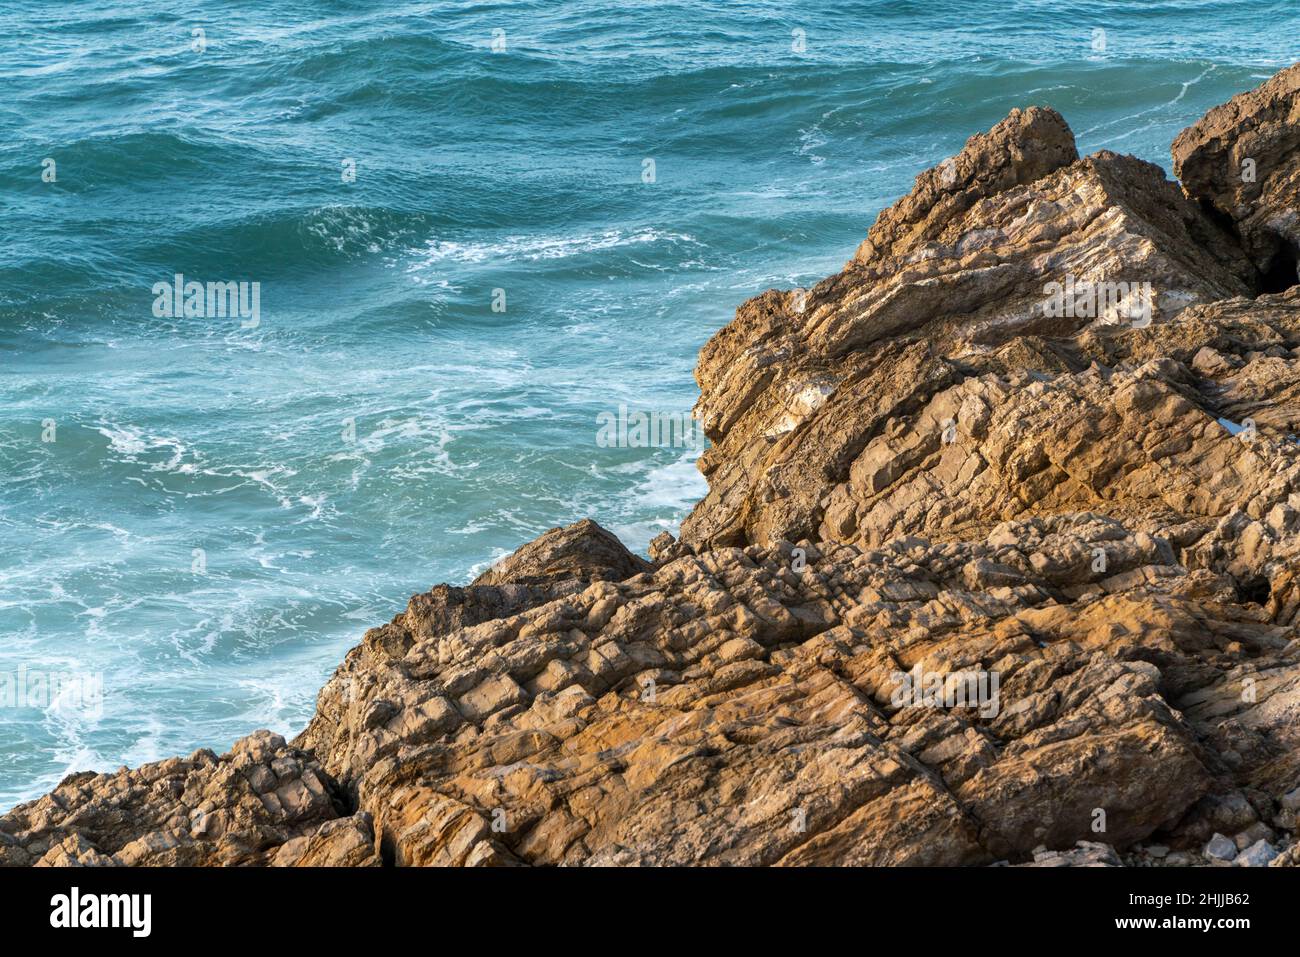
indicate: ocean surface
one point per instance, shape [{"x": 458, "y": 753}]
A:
[{"x": 474, "y": 228}]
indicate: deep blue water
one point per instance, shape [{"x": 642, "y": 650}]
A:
[{"x": 520, "y": 170}]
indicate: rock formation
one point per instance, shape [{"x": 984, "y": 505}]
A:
[
  {"x": 999, "y": 563},
  {"x": 821, "y": 405},
  {"x": 1242, "y": 162}
]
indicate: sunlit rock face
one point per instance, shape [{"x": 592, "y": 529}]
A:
[
  {"x": 1242, "y": 162},
  {"x": 1000, "y": 561}
]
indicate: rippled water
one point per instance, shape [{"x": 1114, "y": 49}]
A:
[{"x": 203, "y": 531}]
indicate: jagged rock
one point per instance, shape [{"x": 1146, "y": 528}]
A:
[
  {"x": 975, "y": 582},
  {"x": 1259, "y": 854},
  {"x": 1243, "y": 161},
  {"x": 808, "y": 398},
  {"x": 726, "y": 709},
  {"x": 1085, "y": 854},
  {"x": 1024, "y": 147},
  {"x": 1221, "y": 848},
  {"x": 237, "y": 809},
  {"x": 342, "y": 842},
  {"x": 582, "y": 552},
  {"x": 1217, "y": 814},
  {"x": 560, "y": 562},
  {"x": 1288, "y": 858},
  {"x": 663, "y": 547}
]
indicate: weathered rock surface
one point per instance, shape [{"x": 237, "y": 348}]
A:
[
  {"x": 976, "y": 582},
  {"x": 819, "y": 402},
  {"x": 245, "y": 807},
  {"x": 560, "y": 562},
  {"x": 1242, "y": 160}
]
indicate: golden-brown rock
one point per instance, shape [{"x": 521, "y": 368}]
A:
[
  {"x": 859, "y": 373},
  {"x": 1000, "y": 562},
  {"x": 1242, "y": 160}
]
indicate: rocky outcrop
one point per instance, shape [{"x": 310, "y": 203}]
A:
[
  {"x": 560, "y": 562},
  {"x": 1242, "y": 161},
  {"x": 579, "y": 554},
  {"x": 1115, "y": 420},
  {"x": 1025, "y": 147},
  {"x": 806, "y": 397},
  {"x": 729, "y": 708},
  {"x": 261, "y": 803},
  {"x": 991, "y": 571}
]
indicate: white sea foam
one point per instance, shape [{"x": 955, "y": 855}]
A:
[
  {"x": 535, "y": 248},
  {"x": 811, "y": 140},
  {"x": 480, "y": 567},
  {"x": 132, "y": 445}
]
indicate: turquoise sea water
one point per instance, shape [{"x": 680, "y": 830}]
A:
[{"x": 204, "y": 532}]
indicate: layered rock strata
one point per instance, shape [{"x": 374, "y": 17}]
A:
[
  {"x": 1242, "y": 163},
  {"x": 999, "y": 563}
]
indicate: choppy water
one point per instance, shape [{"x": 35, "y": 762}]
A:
[{"x": 475, "y": 171}]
